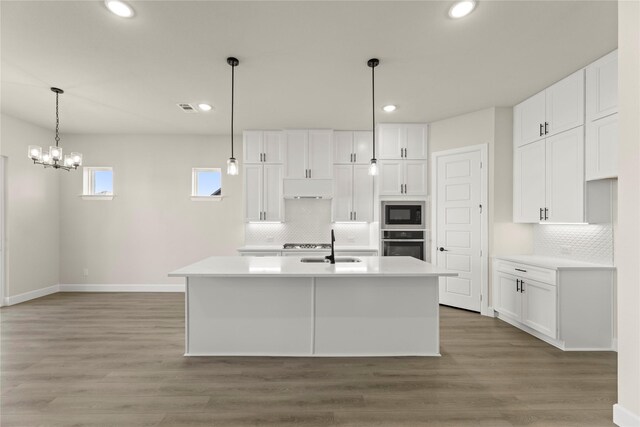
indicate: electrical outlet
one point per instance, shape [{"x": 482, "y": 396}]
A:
[
  {"x": 85, "y": 272},
  {"x": 566, "y": 250}
]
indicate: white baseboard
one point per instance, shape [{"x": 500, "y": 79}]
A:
[
  {"x": 624, "y": 418},
  {"x": 27, "y": 296},
  {"x": 122, "y": 288}
]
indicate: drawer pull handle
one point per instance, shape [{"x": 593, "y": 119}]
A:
[{"x": 519, "y": 269}]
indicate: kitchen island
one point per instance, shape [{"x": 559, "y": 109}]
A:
[{"x": 282, "y": 306}]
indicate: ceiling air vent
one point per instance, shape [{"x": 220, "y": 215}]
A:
[{"x": 187, "y": 108}]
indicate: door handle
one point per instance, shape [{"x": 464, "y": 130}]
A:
[
  {"x": 441, "y": 249},
  {"x": 546, "y": 128},
  {"x": 355, "y": 216},
  {"x": 540, "y": 214},
  {"x": 355, "y": 157},
  {"x": 521, "y": 286},
  {"x": 517, "y": 285},
  {"x": 309, "y": 173},
  {"x": 540, "y": 129},
  {"x": 545, "y": 214}
]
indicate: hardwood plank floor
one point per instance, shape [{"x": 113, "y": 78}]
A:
[{"x": 115, "y": 359}]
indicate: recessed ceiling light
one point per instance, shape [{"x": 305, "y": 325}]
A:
[
  {"x": 462, "y": 8},
  {"x": 119, "y": 8},
  {"x": 389, "y": 108},
  {"x": 204, "y": 107}
]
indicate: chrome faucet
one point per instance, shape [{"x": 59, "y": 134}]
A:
[{"x": 332, "y": 258}]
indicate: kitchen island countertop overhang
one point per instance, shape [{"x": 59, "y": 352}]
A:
[{"x": 281, "y": 306}]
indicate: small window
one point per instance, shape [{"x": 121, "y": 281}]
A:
[
  {"x": 206, "y": 184},
  {"x": 98, "y": 182}
]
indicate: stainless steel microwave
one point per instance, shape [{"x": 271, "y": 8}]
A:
[{"x": 402, "y": 214}]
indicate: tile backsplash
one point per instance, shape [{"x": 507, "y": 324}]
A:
[
  {"x": 589, "y": 242},
  {"x": 307, "y": 221}
]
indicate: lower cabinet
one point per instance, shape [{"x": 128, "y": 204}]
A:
[
  {"x": 570, "y": 308},
  {"x": 527, "y": 301}
]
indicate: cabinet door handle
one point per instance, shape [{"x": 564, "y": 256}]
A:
[
  {"x": 517, "y": 285},
  {"x": 546, "y": 128},
  {"x": 521, "y": 286},
  {"x": 546, "y": 211},
  {"x": 519, "y": 269},
  {"x": 355, "y": 216},
  {"x": 309, "y": 173},
  {"x": 540, "y": 129},
  {"x": 355, "y": 157},
  {"x": 540, "y": 214}
]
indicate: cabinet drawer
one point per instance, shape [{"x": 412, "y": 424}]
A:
[{"x": 525, "y": 271}]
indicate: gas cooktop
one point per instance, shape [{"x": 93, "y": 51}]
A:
[{"x": 307, "y": 246}]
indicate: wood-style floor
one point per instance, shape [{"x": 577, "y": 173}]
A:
[{"x": 115, "y": 359}]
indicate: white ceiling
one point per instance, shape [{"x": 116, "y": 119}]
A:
[{"x": 302, "y": 64}]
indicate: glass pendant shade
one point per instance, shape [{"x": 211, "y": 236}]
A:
[
  {"x": 68, "y": 161},
  {"x": 373, "y": 167},
  {"x": 232, "y": 166},
  {"x": 46, "y": 159},
  {"x": 35, "y": 152},
  {"x": 56, "y": 153},
  {"x": 76, "y": 159}
]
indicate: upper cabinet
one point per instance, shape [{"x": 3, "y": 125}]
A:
[
  {"x": 352, "y": 193},
  {"x": 308, "y": 153},
  {"x": 352, "y": 147},
  {"x": 402, "y": 141},
  {"x": 602, "y": 87},
  {"x": 548, "y": 183},
  {"x": 263, "y": 146},
  {"x": 556, "y": 109},
  {"x": 602, "y": 118}
]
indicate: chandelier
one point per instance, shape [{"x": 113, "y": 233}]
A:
[{"x": 54, "y": 157}]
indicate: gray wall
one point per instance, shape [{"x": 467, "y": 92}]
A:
[
  {"x": 151, "y": 226},
  {"x": 32, "y": 210}
]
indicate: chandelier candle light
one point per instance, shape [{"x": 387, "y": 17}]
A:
[
  {"x": 54, "y": 158},
  {"x": 373, "y": 166},
  {"x": 232, "y": 163}
]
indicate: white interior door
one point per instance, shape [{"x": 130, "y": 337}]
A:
[{"x": 458, "y": 234}]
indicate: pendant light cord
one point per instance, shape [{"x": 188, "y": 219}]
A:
[
  {"x": 373, "y": 111},
  {"x": 233, "y": 68},
  {"x": 57, "y": 122}
]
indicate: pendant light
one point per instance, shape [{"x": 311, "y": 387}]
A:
[
  {"x": 232, "y": 163},
  {"x": 54, "y": 158},
  {"x": 373, "y": 165}
]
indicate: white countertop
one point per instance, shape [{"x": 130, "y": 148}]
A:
[
  {"x": 554, "y": 263},
  {"x": 279, "y": 248},
  {"x": 290, "y": 266}
]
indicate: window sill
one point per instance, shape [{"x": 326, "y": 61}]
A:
[
  {"x": 206, "y": 198},
  {"x": 97, "y": 197}
]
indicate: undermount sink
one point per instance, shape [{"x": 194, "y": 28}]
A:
[{"x": 322, "y": 259}]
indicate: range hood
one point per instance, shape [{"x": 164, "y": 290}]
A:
[{"x": 307, "y": 188}]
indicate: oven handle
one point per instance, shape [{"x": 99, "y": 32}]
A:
[{"x": 403, "y": 240}]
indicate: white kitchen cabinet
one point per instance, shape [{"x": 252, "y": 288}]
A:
[
  {"x": 565, "y": 177},
  {"x": 352, "y": 193},
  {"x": 263, "y": 192},
  {"x": 402, "y": 141},
  {"x": 601, "y": 151},
  {"x": 308, "y": 153},
  {"x": 352, "y": 147},
  {"x": 263, "y": 147},
  {"x": 558, "y": 108},
  {"x": 568, "y": 305},
  {"x": 602, "y": 87},
  {"x": 539, "y": 306},
  {"x": 548, "y": 179},
  {"x": 529, "y": 185},
  {"x": 403, "y": 177},
  {"x": 528, "y": 119}
]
